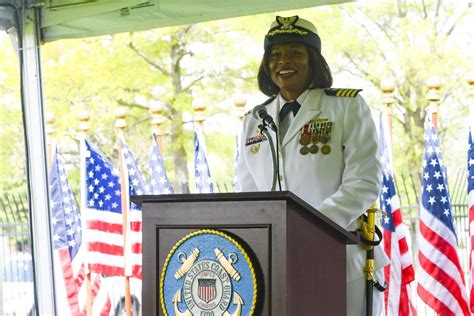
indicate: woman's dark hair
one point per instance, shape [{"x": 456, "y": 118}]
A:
[{"x": 319, "y": 69}]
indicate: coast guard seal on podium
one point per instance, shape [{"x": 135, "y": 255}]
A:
[{"x": 208, "y": 273}]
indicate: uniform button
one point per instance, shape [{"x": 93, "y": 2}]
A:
[{"x": 280, "y": 177}]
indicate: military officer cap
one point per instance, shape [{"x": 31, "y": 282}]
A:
[{"x": 292, "y": 29}]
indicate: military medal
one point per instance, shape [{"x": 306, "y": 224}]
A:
[
  {"x": 326, "y": 149},
  {"x": 304, "y": 150},
  {"x": 314, "y": 132},
  {"x": 324, "y": 139},
  {"x": 326, "y": 135},
  {"x": 304, "y": 140}
]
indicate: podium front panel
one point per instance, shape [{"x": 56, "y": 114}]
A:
[
  {"x": 251, "y": 225},
  {"x": 299, "y": 258}
]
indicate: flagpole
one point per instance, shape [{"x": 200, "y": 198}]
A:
[
  {"x": 388, "y": 87},
  {"x": 157, "y": 119},
  {"x": 470, "y": 81},
  {"x": 199, "y": 109},
  {"x": 240, "y": 101},
  {"x": 49, "y": 118},
  {"x": 470, "y": 202},
  {"x": 84, "y": 127},
  {"x": 434, "y": 86},
  {"x": 120, "y": 125}
]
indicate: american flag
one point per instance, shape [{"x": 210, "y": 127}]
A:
[
  {"x": 159, "y": 183},
  {"x": 135, "y": 185},
  {"x": 400, "y": 272},
  {"x": 69, "y": 265},
  {"x": 202, "y": 174},
  {"x": 441, "y": 278},
  {"x": 470, "y": 191},
  {"x": 102, "y": 213}
]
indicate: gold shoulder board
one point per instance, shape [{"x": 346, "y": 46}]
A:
[{"x": 342, "y": 92}]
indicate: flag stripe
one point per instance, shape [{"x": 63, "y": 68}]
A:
[
  {"x": 100, "y": 237},
  {"x": 108, "y": 269},
  {"x": 470, "y": 191},
  {"x": 400, "y": 272},
  {"x": 434, "y": 302},
  {"x": 104, "y": 248},
  {"x": 441, "y": 283},
  {"x": 68, "y": 242},
  {"x": 102, "y": 212},
  {"x": 448, "y": 250},
  {"x": 104, "y": 227},
  {"x": 444, "y": 279},
  {"x": 135, "y": 184},
  {"x": 71, "y": 290}
]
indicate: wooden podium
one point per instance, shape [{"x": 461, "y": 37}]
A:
[{"x": 299, "y": 254}]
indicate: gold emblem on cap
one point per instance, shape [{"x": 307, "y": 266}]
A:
[
  {"x": 286, "y": 22},
  {"x": 255, "y": 148},
  {"x": 286, "y": 25}
]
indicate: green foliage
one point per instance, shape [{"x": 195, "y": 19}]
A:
[
  {"x": 12, "y": 153},
  {"x": 178, "y": 67},
  {"x": 408, "y": 41}
]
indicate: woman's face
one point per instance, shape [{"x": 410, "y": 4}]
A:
[{"x": 289, "y": 69}]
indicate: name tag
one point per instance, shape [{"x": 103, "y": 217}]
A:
[{"x": 255, "y": 139}]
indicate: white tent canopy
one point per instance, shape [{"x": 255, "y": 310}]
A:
[{"x": 84, "y": 18}]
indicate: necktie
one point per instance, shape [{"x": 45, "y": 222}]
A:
[{"x": 292, "y": 106}]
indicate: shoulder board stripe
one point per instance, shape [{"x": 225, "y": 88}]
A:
[{"x": 342, "y": 92}]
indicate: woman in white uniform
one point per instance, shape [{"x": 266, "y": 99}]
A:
[{"x": 328, "y": 151}]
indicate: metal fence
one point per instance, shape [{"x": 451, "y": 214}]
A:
[
  {"x": 16, "y": 266},
  {"x": 15, "y": 242}
]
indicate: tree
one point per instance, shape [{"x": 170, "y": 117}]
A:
[
  {"x": 176, "y": 66},
  {"x": 12, "y": 153},
  {"x": 408, "y": 41}
]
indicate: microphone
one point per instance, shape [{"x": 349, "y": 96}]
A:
[{"x": 260, "y": 113}]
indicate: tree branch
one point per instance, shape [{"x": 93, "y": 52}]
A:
[
  {"x": 189, "y": 86},
  {"x": 425, "y": 13},
  {"x": 438, "y": 5},
  {"x": 147, "y": 59},
  {"x": 382, "y": 53},
  {"x": 131, "y": 104},
  {"x": 455, "y": 22},
  {"x": 383, "y": 29},
  {"x": 401, "y": 12}
]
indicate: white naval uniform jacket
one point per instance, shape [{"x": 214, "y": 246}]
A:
[{"x": 342, "y": 184}]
